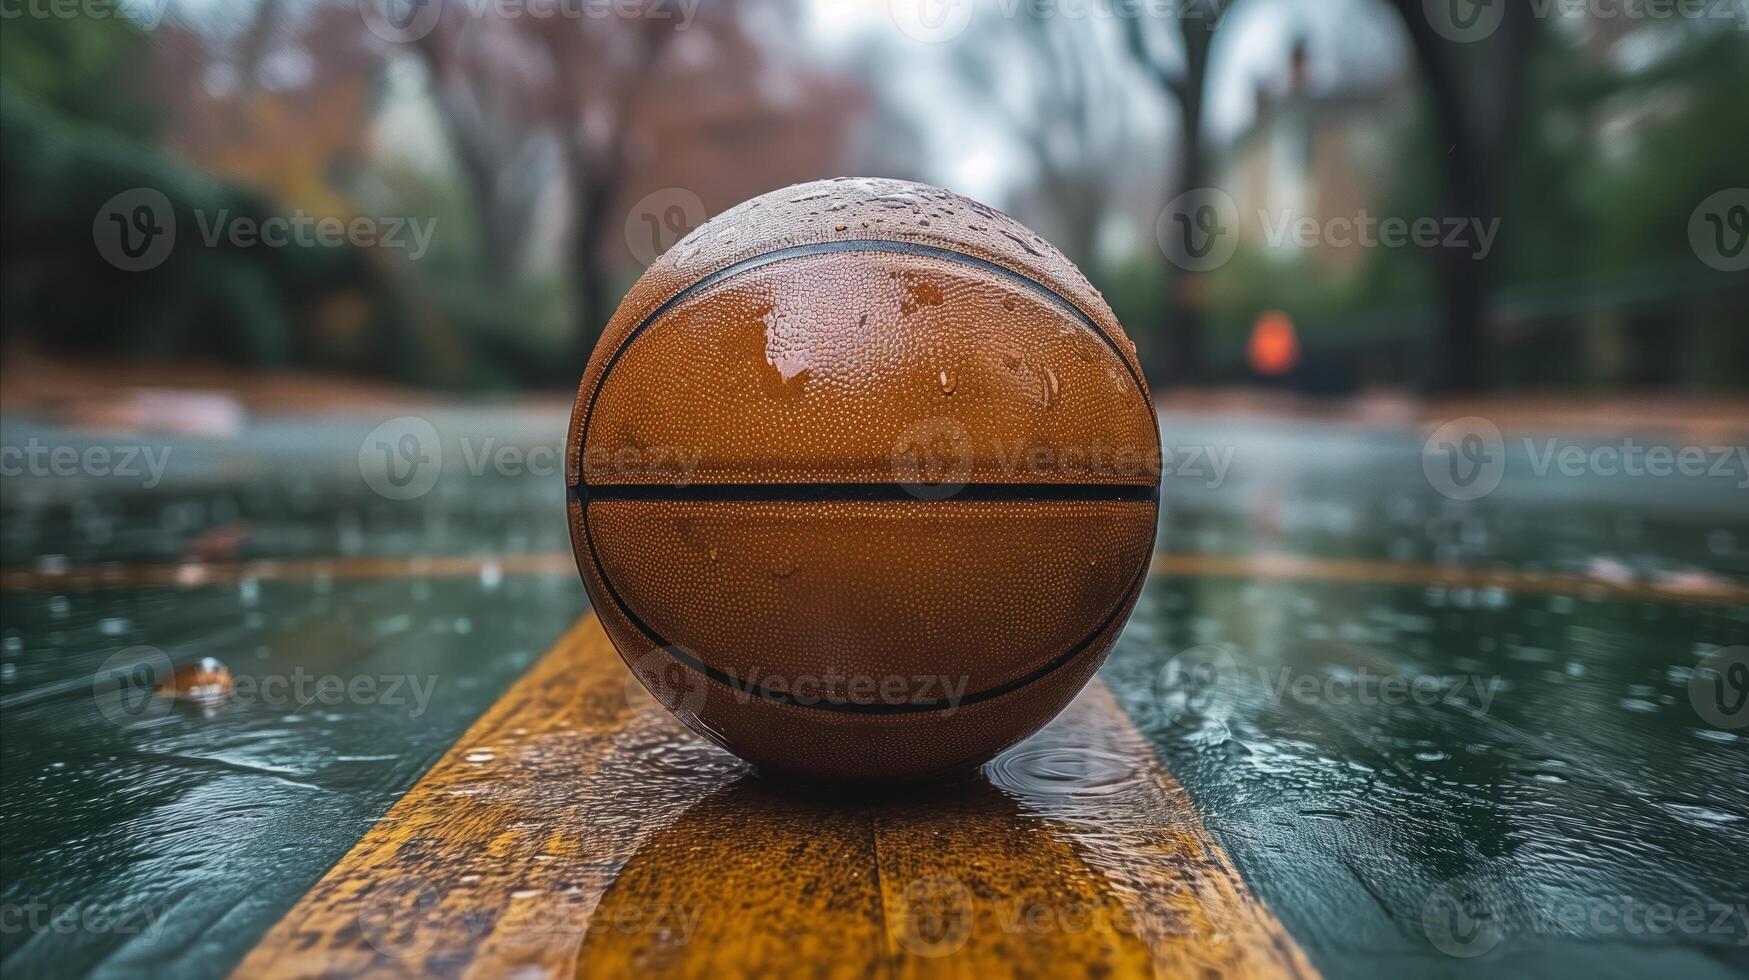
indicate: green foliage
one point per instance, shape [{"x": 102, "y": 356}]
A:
[
  {"x": 216, "y": 302},
  {"x": 518, "y": 328},
  {"x": 1613, "y": 162},
  {"x": 1135, "y": 292},
  {"x": 85, "y": 69}
]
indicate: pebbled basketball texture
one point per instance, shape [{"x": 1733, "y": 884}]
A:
[{"x": 863, "y": 480}]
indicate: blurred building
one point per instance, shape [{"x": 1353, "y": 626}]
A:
[{"x": 1311, "y": 154}]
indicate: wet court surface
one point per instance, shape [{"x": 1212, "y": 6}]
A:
[{"x": 1357, "y": 726}]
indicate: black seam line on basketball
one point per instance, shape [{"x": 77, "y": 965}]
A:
[
  {"x": 856, "y": 245},
  {"x": 910, "y": 707},
  {"x": 656, "y": 639},
  {"x": 867, "y": 492}
]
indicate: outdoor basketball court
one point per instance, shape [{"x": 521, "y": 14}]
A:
[{"x": 1371, "y": 718}]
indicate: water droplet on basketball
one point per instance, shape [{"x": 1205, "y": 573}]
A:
[{"x": 897, "y": 199}]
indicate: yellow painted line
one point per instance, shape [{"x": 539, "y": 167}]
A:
[
  {"x": 577, "y": 830},
  {"x": 1696, "y": 588}
]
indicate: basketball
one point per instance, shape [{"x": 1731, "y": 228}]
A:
[{"x": 863, "y": 480}]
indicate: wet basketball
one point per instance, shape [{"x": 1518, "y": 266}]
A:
[{"x": 863, "y": 480}]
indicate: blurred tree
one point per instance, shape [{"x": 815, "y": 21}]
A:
[
  {"x": 1475, "y": 89},
  {"x": 629, "y": 105},
  {"x": 1179, "y": 66},
  {"x": 732, "y": 114},
  {"x": 489, "y": 103},
  {"x": 598, "y": 76},
  {"x": 283, "y": 105},
  {"x": 1053, "y": 88}
]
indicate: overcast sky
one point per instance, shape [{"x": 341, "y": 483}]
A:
[
  {"x": 1350, "y": 41},
  {"x": 966, "y": 145}
]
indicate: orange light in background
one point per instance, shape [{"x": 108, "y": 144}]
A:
[{"x": 1274, "y": 348}]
